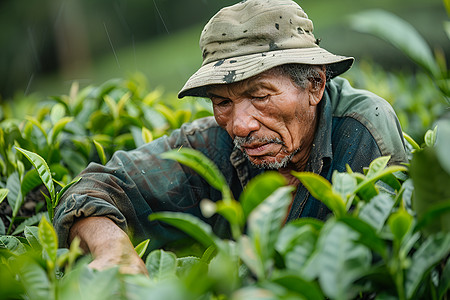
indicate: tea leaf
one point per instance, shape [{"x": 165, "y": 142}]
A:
[
  {"x": 147, "y": 135},
  {"x": 321, "y": 189},
  {"x": 258, "y": 189},
  {"x": 368, "y": 235},
  {"x": 57, "y": 113},
  {"x": 411, "y": 141},
  {"x": 12, "y": 244},
  {"x": 296, "y": 284},
  {"x": 48, "y": 239},
  {"x": 265, "y": 221},
  {"x": 42, "y": 168},
  {"x": 38, "y": 124},
  {"x": 30, "y": 221},
  {"x": 35, "y": 280},
  {"x": 161, "y": 264},
  {"x": 15, "y": 197},
  {"x": 400, "y": 223},
  {"x": 203, "y": 166},
  {"x": 3, "y": 194},
  {"x": 430, "y": 252},
  {"x": 399, "y": 33},
  {"x": 57, "y": 128},
  {"x": 430, "y": 137},
  {"x": 444, "y": 284},
  {"x": 232, "y": 211},
  {"x": 344, "y": 184},
  {"x": 142, "y": 247},
  {"x": 32, "y": 236},
  {"x": 168, "y": 114},
  {"x": 430, "y": 187},
  {"x": 100, "y": 152},
  {"x": 377, "y": 211},
  {"x": 296, "y": 243},
  {"x": 338, "y": 261},
  {"x": 377, "y": 165},
  {"x": 193, "y": 226}
]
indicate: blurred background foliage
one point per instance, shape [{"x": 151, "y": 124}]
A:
[{"x": 49, "y": 44}]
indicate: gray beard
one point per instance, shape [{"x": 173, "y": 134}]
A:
[{"x": 239, "y": 141}]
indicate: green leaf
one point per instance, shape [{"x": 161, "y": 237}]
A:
[
  {"x": 338, "y": 261},
  {"x": 48, "y": 239},
  {"x": 43, "y": 170},
  {"x": 444, "y": 283},
  {"x": 3, "y": 194},
  {"x": 344, "y": 184},
  {"x": 296, "y": 243},
  {"x": 58, "y": 112},
  {"x": 265, "y": 221},
  {"x": 142, "y": 247},
  {"x": 377, "y": 166},
  {"x": 400, "y": 223},
  {"x": 15, "y": 197},
  {"x": 32, "y": 236},
  {"x": 29, "y": 221},
  {"x": 168, "y": 114},
  {"x": 258, "y": 189},
  {"x": 377, "y": 211},
  {"x": 147, "y": 135},
  {"x": 430, "y": 137},
  {"x": 100, "y": 152},
  {"x": 30, "y": 181},
  {"x": 35, "y": 280},
  {"x": 443, "y": 143},
  {"x": 12, "y": 244},
  {"x": 161, "y": 264},
  {"x": 191, "y": 225},
  {"x": 366, "y": 188},
  {"x": 430, "y": 252},
  {"x": 296, "y": 284},
  {"x": 430, "y": 187},
  {"x": 57, "y": 128},
  {"x": 203, "y": 166},
  {"x": 38, "y": 124},
  {"x": 411, "y": 141},
  {"x": 433, "y": 215},
  {"x": 399, "y": 33},
  {"x": 321, "y": 189},
  {"x": 367, "y": 235},
  {"x": 232, "y": 211}
]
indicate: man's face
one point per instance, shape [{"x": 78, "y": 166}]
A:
[{"x": 269, "y": 118}]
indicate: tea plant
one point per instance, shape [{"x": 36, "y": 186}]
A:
[
  {"x": 71, "y": 130},
  {"x": 379, "y": 242}
]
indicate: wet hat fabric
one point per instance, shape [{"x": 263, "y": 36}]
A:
[{"x": 253, "y": 36}]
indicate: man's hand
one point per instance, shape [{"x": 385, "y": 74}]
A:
[{"x": 109, "y": 245}]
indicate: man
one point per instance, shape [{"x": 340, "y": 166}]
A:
[{"x": 275, "y": 107}]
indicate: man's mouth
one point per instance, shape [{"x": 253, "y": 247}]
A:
[
  {"x": 259, "y": 149},
  {"x": 254, "y": 146}
]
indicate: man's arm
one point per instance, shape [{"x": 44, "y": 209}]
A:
[{"x": 109, "y": 245}]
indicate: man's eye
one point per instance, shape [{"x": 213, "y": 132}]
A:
[
  {"x": 260, "y": 98},
  {"x": 222, "y": 102}
]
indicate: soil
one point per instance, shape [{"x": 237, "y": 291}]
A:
[{"x": 34, "y": 203}]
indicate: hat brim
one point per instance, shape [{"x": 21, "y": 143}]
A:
[{"x": 235, "y": 69}]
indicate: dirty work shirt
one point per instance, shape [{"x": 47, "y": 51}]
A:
[{"x": 354, "y": 128}]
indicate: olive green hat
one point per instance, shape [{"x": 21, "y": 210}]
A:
[{"x": 253, "y": 36}]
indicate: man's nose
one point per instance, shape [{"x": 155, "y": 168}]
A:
[{"x": 244, "y": 121}]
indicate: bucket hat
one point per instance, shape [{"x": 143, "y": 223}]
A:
[{"x": 252, "y": 36}]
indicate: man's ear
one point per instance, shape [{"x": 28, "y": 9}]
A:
[{"x": 317, "y": 87}]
